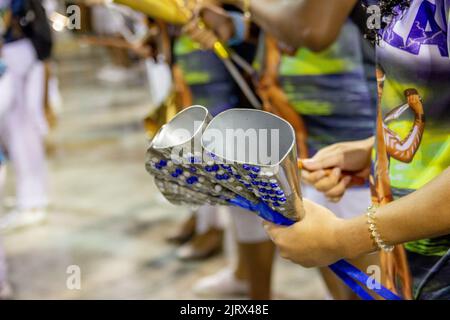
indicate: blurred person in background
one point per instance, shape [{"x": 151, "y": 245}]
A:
[
  {"x": 209, "y": 84},
  {"x": 27, "y": 44},
  {"x": 333, "y": 92},
  {"x": 122, "y": 23}
]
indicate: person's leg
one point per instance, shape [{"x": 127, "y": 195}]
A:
[
  {"x": 257, "y": 258},
  {"x": 251, "y": 274},
  {"x": 354, "y": 202},
  {"x": 255, "y": 253},
  {"x": 209, "y": 234},
  {"x": 34, "y": 187},
  {"x": 25, "y": 126}
]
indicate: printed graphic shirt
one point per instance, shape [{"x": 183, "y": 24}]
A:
[{"x": 414, "y": 54}]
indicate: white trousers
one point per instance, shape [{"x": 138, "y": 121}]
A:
[
  {"x": 210, "y": 217},
  {"x": 5, "y": 93},
  {"x": 249, "y": 228},
  {"x": 24, "y": 126}
]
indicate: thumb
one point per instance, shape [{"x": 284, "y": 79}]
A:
[{"x": 272, "y": 229}]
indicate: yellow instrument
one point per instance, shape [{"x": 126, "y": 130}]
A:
[
  {"x": 172, "y": 11},
  {"x": 181, "y": 12},
  {"x": 167, "y": 10}
]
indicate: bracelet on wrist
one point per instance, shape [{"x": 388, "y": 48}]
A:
[{"x": 374, "y": 233}]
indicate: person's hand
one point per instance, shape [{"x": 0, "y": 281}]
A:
[
  {"x": 312, "y": 242},
  {"x": 210, "y": 25},
  {"x": 325, "y": 170}
]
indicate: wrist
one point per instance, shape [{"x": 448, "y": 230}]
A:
[
  {"x": 340, "y": 241},
  {"x": 353, "y": 237}
]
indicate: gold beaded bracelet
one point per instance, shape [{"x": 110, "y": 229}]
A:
[{"x": 374, "y": 234}]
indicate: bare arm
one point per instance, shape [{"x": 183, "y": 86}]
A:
[
  {"x": 423, "y": 214},
  {"x": 321, "y": 238},
  {"x": 314, "y": 24}
]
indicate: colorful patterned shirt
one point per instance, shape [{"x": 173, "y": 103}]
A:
[
  {"x": 414, "y": 53},
  {"x": 210, "y": 82}
]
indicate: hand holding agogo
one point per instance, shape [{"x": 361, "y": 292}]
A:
[
  {"x": 334, "y": 168},
  {"x": 322, "y": 238},
  {"x": 312, "y": 242},
  {"x": 213, "y": 172}
]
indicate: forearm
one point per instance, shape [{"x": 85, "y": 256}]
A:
[
  {"x": 314, "y": 24},
  {"x": 424, "y": 213}
]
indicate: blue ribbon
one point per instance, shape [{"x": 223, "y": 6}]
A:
[
  {"x": 354, "y": 273},
  {"x": 348, "y": 273},
  {"x": 263, "y": 211}
]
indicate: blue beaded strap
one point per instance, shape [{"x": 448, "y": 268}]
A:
[{"x": 348, "y": 273}]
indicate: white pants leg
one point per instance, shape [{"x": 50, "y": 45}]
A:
[
  {"x": 248, "y": 226},
  {"x": 210, "y": 217},
  {"x": 24, "y": 125},
  {"x": 6, "y": 93}
]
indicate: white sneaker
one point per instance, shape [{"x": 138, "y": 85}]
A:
[
  {"x": 23, "y": 218},
  {"x": 220, "y": 284}
]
